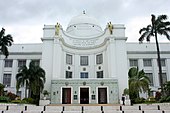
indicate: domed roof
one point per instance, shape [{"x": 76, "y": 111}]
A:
[
  {"x": 84, "y": 26},
  {"x": 82, "y": 19}
]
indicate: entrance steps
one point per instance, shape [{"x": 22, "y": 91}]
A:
[{"x": 86, "y": 108}]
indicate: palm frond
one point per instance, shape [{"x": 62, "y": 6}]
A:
[
  {"x": 2, "y": 32},
  {"x": 138, "y": 80},
  {"x": 162, "y": 17},
  {"x": 166, "y": 34},
  {"x": 4, "y": 50}
]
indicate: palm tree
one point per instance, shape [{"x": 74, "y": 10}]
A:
[
  {"x": 22, "y": 78},
  {"x": 33, "y": 77},
  {"x": 37, "y": 81},
  {"x": 159, "y": 26},
  {"x": 5, "y": 41},
  {"x": 138, "y": 82},
  {"x": 37, "y": 78}
]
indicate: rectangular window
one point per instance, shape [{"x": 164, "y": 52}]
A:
[
  {"x": 133, "y": 62},
  {"x": 75, "y": 97},
  {"x": 21, "y": 63},
  {"x": 7, "y": 80},
  {"x": 150, "y": 75},
  {"x": 99, "y": 59},
  {"x": 147, "y": 62},
  {"x": 83, "y": 60},
  {"x": 68, "y": 59},
  {"x": 100, "y": 74},
  {"x": 163, "y": 62},
  {"x": 36, "y": 62},
  {"x": 68, "y": 74},
  {"x": 8, "y": 63},
  {"x": 93, "y": 97},
  {"x": 84, "y": 75}
]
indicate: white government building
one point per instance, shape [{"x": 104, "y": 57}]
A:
[{"x": 85, "y": 64}]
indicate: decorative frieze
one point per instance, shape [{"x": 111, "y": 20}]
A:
[{"x": 84, "y": 43}]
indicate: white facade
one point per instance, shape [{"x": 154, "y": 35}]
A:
[{"x": 85, "y": 63}]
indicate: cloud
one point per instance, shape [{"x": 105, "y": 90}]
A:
[
  {"x": 133, "y": 27},
  {"x": 19, "y": 16}
]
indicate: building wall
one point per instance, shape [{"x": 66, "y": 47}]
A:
[
  {"x": 134, "y": 51},
  {"x": 18, "y": 52},
  {"x": 92, "y": 84},
  {"x": 86, "y": 39},
  {"x": 140, "y": 52}
]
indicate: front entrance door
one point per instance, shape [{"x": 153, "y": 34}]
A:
[
  {"x": 84, "y": 95},
  {"x": 66, "y": 96},
  {"x": 102, "y": 95}
]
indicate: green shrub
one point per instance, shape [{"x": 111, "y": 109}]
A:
[
  {"x": 163, "y": 99},
  {"x": 168, "y": 99},
  {"x": 4, "y": 99},
  {"x": 152, "y": 99},
  {"x": 139, "y": 100},
  {"x": 29, "y": 100},
  {"x": 149, "y": 102},
  {"x": 16, "y": 101},
  {"x": 24, "y": 102}
]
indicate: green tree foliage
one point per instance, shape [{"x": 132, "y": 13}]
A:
[
  {"x": 37, "y": 78},
  {"x": 22, "y": 78},
  {"x": 5, "y": 42},
  {"x": 167, "y": 88},
  {"x": 126, "y": 91},
  {"x": 138, "y": 82},
  {"x": 160, "y": 26},
  {"x": 33, "y": 77}
]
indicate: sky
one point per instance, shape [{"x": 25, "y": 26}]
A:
[{"x": 24, "y": 19}]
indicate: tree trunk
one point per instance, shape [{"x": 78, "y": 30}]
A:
[
  {"x": 159, "y": 63},
  {"x": 30, "y": 93},
  {"x": 26, "y": 91}
]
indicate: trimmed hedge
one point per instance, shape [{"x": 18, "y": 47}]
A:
[{"x": 4, "y": 99}]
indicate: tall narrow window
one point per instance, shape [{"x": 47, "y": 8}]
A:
[
  {"x": 163, "y": 62},
  {"x": 7, "y": 80},
  {"x": 68, "y": 59},
  {"x": 147, "y": 62},
  {"x": 150, "y": 76},
  {"x": 83, "y": 60},
  {"x": 84, "y": 75},
  {"x": 133, "y": 62},
  {"x": 100, "y": 74},
  {"x": 99, "y": 59},
  {"x": 21, "y": 63},
  {"x": 68, "y": 74},
  {"x": 8, "y": 63}
]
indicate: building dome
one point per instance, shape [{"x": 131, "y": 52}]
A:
[
  {"x": 84, "y": 26},
  {"x": 83, "y": 19}
]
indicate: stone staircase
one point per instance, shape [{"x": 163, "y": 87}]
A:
[{"x": 143, "y": 108}]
